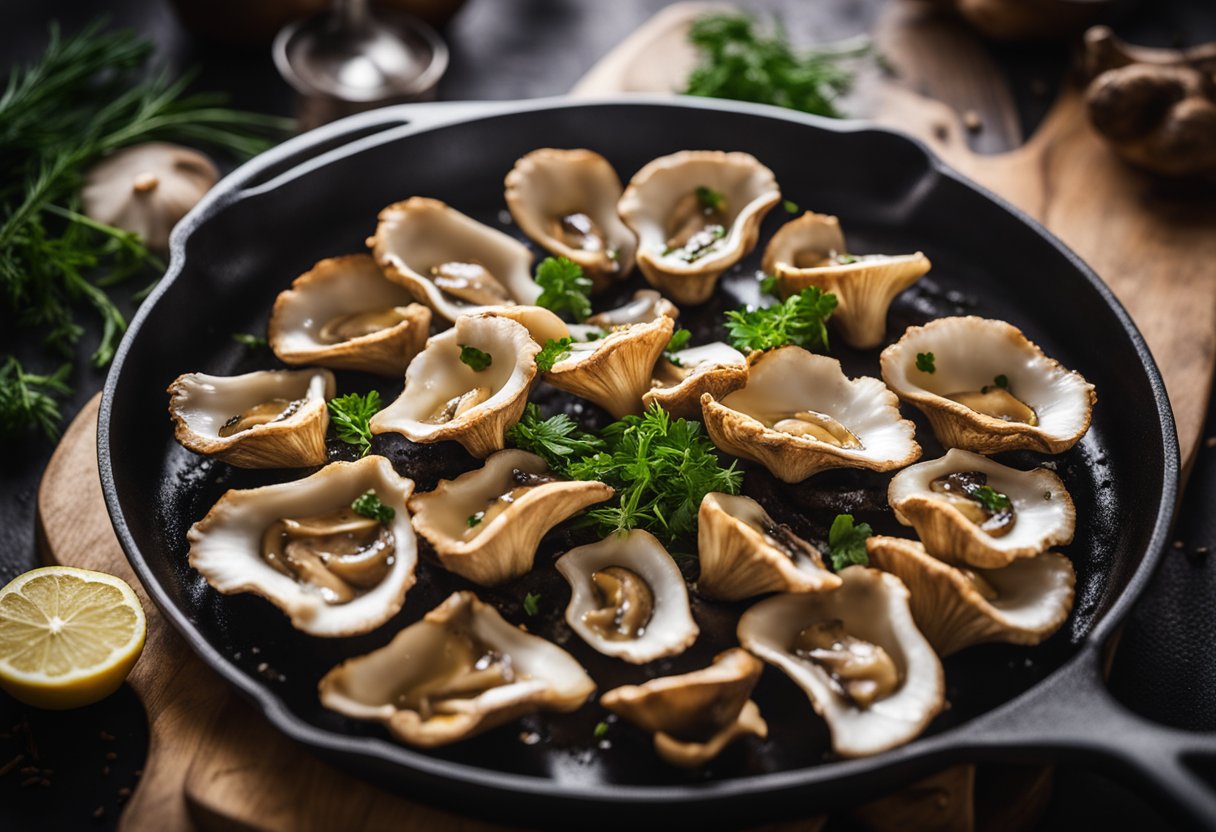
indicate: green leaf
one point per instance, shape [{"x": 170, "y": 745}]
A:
[
  {"x": 924, "y": 362},
  {"x": 474, "y": 520},
  {"x": 601, "y": 730},
  {"x": 710, "y": 200},
  {"x": 564, "y": 287},
  {"x": 679, "y": 339},
  {"x": 790, "y": 206},
  {"x": 350, "y": 415},
  {"x": 475, "y": 358},
  {"x": 27, "y": 400},
  {"x": 552, "y": 352},
  {"x": 768, "y": 285},
  {"x": 249, "y": 340},
  {"x": 847, "y": 542},
  {"x": 532, "y": 603},
  {"x": 369, "y": 505},
  {"x": 557, "y": 440},
  {"x": 991, "y": 499},
  {"x": 800, "y": 320},
  {"x": 1002, "y": 381}
]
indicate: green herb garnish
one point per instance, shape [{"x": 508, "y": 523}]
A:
[
  {"x": 475, "y": 358},
  {"x": 768, "y": 284},
  {"x": 847, "y": 542},
  {"x": 710, "y": 200},
  {"x": 924, "y": 363},
  {"x": 564, "y": 287},
  {"x": 661, "y": 468},
  {"x": 557, "y": 440},
  {"x": 990, "y": 498},
  {"x": 27, "y": 400},
  {"x": 249, "y": 340},
  {"x": 790, "y": 206},
  {"x": 601, "y": 730},
  {"x": 1001, "y": 381},
  {"x": 739, "y": 62},
  {"x": 350, "y": 415},
  {"x": 87, "y": 96},
  {"x": 552, "y": 352},
  {"x": 475, "y": 519},
  {"x": 679, "y": 339},
  {"x": 532, "y": 603},
  {"x": 801, "y": 320},
  {"x": 369, "y": 505},
  {"x": 844, "y": 258}
]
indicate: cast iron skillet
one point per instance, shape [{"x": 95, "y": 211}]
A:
[{"x": 318, "y": 195}]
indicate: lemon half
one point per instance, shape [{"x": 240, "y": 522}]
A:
[{"x": 68, "y": 637}]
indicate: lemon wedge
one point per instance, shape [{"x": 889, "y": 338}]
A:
[{"x": 68, "y": 637}]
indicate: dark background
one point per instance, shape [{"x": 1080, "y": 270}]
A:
[{"x": 505, "y": 49}]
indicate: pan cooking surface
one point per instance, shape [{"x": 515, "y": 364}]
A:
[{"x": 890, "y": 198}]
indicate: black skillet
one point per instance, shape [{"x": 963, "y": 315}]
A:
[{"x": 318, "y": 195}]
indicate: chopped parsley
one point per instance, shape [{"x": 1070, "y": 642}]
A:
[
  {"x": 552, "y": 352},
  {"x": 350, "y": 415},
  {"x": 475, "y": 519},
  {"x": 710, "y": 200},
  {"x": 601, "y": 730},
  {"x": 557, "y": 440},
  {"x": 369, "y": 505},
  {"x": 800, "y": 320},
  {"x": 249, "y": 340},
  {"x": 475, "y": 358},
  {"x": 679, "y": 339},
  {"x": 768, "y": 284},
  {"x": 924, "y": 363},
  {"x": 847, "y": 542},
  {"x": 532, "y": 603},
  {"x": 564, "y": 287},
  {"x": 990, "y": 498},
  {"x": 1001, "y": 381},
  {"x": 790, "y": 206},
  {"x": 661, "y": 468}
]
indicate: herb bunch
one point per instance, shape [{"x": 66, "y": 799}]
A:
[
  {"x": 740, "y": 62},
  {"x": 800, "y": 320},
  {"x": 86, "y": 96}
]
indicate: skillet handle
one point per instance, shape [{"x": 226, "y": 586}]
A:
[
  {"x": 1073, "y": 716},
  {"x": 308, "y": 150}
]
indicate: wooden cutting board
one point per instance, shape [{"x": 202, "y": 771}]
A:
[
  {"x": 215, "y": 763},
  {"x": 1153, "y": 245}
]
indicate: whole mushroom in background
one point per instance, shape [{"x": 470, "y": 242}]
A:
[
  {"x": 1155, "y": 107},
  {"x": 147, "y": 188}
]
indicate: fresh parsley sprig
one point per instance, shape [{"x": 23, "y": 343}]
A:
[
  {"x": 27, "y": 399},
  {"x": 679, "y": 340},
  {"x": 557, "y": 440},
  {"x": 475, "y": 358},
  {"x": 350, "y": 415},
  {"x": 531, "y": 604},
  {"x": 847, "y": 542},
  {"x": 800, "y": 320},
  {"x": 661, "y": 469},
  {"x": 370, "y": 505},
  {"x": 553, "y": 351},
  {"x": 564, "y": 287},
  {"x": 925, "y": 362}
]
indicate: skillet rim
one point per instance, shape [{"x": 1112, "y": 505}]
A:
[{"x": 411, "y": 119}]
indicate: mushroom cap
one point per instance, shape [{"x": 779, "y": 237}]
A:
[
  {"x": 225, "y": 546},
  {"x": 614, "y": 371},
  {"x": 714, "y": 369}
]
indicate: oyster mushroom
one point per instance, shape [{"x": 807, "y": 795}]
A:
[
  {"x": 696, "y": 213},
  {"x": 300, "y": 546},
  {"x": 987, "y": 388},
  {"x": 810, "y": 251},
  {"x": 968, "y": 509},
  {"x": 744, "y": 552},
  {"x": 447, "y": 399},
  {"x": 645, "y": 306},
  {"x": 147, "y": 188},
  {"x": 541, "y": 324},
  {"x": 858, "y": 655},
  {"x": 485, "y": 525},
  {"x": 565, "y": 201},
  {"x": 678, "y": 382},
  {"x": 799, "y": 415},
  {"x": 343, "y": 313},
  {"x": 694, "y": 716},
  {"x": 266, "y": 419},
  {"x": 458, "y": 672},
  {"x": 629, "y": 599},
  {"x": 449, "y": 261},
  {"x": 956, "y": 607},
  {"x": 614, "y": 371}
]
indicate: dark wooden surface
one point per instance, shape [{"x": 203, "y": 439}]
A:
[{"x": 523, "y": 48}]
